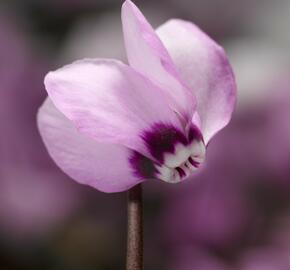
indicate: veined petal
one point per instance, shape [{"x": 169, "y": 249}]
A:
[
  {"x": 109, "y": 101},
  {"x": 103, "y": 166},
  {"x": 204, "y": 66},
  {"x": 147, "y": 54}
]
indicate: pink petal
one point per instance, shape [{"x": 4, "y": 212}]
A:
[
  {"x": 204, "y": 66},
  {"x": 103, "y": 166},
  {"x": 147, "y": 54},
  {"x": 109, "y": 101}
]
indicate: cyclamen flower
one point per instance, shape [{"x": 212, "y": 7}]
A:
[{"x": 111, "y": 125}]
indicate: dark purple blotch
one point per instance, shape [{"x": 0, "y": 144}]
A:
[
  {"x": 143, "y": 167},
  {"x": 161, "y": 138},
  {"x": 194, "y": 134}
]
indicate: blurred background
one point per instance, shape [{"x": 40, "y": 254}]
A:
[{"x": 233, "y": 215}]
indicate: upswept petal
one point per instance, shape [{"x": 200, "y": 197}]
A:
[
  {"x": 204, "y": 66},
  {"x": 109, "y": 101},
  {"x": 147, "y": 54},
  {"x": 103, "y": 166}
]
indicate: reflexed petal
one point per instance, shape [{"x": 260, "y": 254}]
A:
[
  {"x": 147, "y": 54},
  {"x": 109, "y": 101},
  {"x": 103, "y": 166},
  {"x": 204, "y": 66}
]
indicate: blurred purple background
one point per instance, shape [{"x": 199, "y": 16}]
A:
[{"x": 235, "y": 214}]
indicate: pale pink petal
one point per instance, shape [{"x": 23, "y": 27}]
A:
[
  {"x": 103, "y": 166},
  {"x": 109, "y": 101},
  {"x": 204, "y": 66},
  {"x": 147, "y": 54}
]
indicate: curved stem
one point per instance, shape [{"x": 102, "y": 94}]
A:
[{"x": 135, "y": 229}]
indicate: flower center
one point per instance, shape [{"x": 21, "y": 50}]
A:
[
  {"x": 180, "y": 164},
  {"x": 175, "y": 154}
]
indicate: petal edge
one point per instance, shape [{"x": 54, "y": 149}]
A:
[
  {"x": 147, "y": 54},
  {"x": 105, "y": 167},
  {"x": 109, "y": 101},
  {"x": 203, "y": 64}
]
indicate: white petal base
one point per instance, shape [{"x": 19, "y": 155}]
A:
[{"x": 182, "y": 163}]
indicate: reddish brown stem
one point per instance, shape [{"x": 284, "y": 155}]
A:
[{"x": 135, "y": 229}]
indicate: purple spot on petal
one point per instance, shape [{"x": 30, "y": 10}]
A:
[
  {"x": 194, "y": 134},
  {"x": 162, "y": 139},
  {"x": 143, "y": 166},
  {"x": 193, "y": 162},
  {"x": 181, "y": 172}
]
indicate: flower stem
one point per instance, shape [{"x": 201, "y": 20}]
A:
[{"x": 135, "y": 229}]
